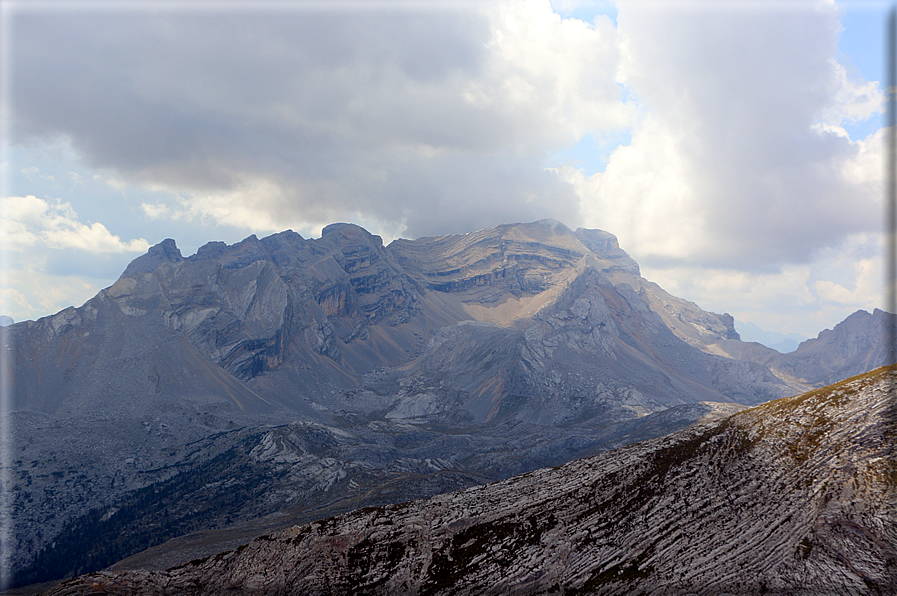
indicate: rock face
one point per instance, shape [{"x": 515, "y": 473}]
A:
[
  {"x": 855, "y": 345},
  {"x": 266, "y": 325},
  {"x": 795, "y": 496},
  {"x": 437, "y": 363}
]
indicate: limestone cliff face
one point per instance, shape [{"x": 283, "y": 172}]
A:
[
  {"x": 254, "y": 305},
  {"x": 243, "y": 311},
  {"x": 267, "y": 325},
  {"x": 794, "y": 496}
]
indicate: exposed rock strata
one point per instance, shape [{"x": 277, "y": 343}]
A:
[
  {"x": 795, "y": 496},
  {"x": 264, "y": 326}
]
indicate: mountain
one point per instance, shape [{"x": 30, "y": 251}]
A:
[
  {"x": 283, "y": 379},
  {"x": 794, "y": 496},
  {"x": 281, "y": 323},
  {"x": 855, "y": 345}
]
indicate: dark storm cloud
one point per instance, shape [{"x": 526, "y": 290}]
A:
[{"x": 133, "y": 90}]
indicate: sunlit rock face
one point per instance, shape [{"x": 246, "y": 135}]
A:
[
  {"x": 493, "y": 353},
  {"x": 791, "y": 497}
]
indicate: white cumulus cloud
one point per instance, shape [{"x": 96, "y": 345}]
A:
[
  {"x": 739, "y": 160},
  {"x": 30, "y": 221}
]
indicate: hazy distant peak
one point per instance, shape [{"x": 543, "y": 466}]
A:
[
  {"x": 548, "y": 221},
  {"x": 336, "y": 227},
  {"x": 598, "y": 241},
  {"x": 859, "y": 319},
  {"x": 551, "y": 224}
]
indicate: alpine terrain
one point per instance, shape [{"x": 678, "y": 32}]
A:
[
  {"x": 201, "y": 401},
  {"x": 791, "y": 497}
]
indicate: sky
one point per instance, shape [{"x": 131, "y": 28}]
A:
[{"x": 733, "y": 147}]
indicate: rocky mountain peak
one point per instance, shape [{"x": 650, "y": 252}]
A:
[
  {"x": 606, "y": 246},
  {"x": 348, "y": 233},
  {"x": 729, "y": 321},
  {"x": 854, "y": 345},
  {"x": 570, "y": 312},
  {"x": 164, "y": 252},
  {"x": 283, "y": 247},
  {"x": 854, "y": 334}
]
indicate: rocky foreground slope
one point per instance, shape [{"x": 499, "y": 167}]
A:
[{"x": 795, "y": 496}]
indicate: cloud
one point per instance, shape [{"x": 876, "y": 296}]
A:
[
  {"x": 802, "y": 298},
  {"x": 737, "y": 168},
  {"x": 156, "y": 210},
  {"x": 444, "y": 120},
  {"x": 853, "y": 101},
  {"x": 33, "y": 173},
  {"x": 33, "y": 222},
  {"x": 851, "y": 274},
  {"x": 13, "y": 303},
  {"x": 739, "y": 160},
  {"x": 418, "y": 116},
  {"x": 27, "y": 294}
]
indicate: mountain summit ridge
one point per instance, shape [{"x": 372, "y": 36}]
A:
[{"x": 306, "y": 314}]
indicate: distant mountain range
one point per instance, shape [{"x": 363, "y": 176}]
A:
[
  {"x": 274, "y": 381},
  {"x": 772, "y": 339}
]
